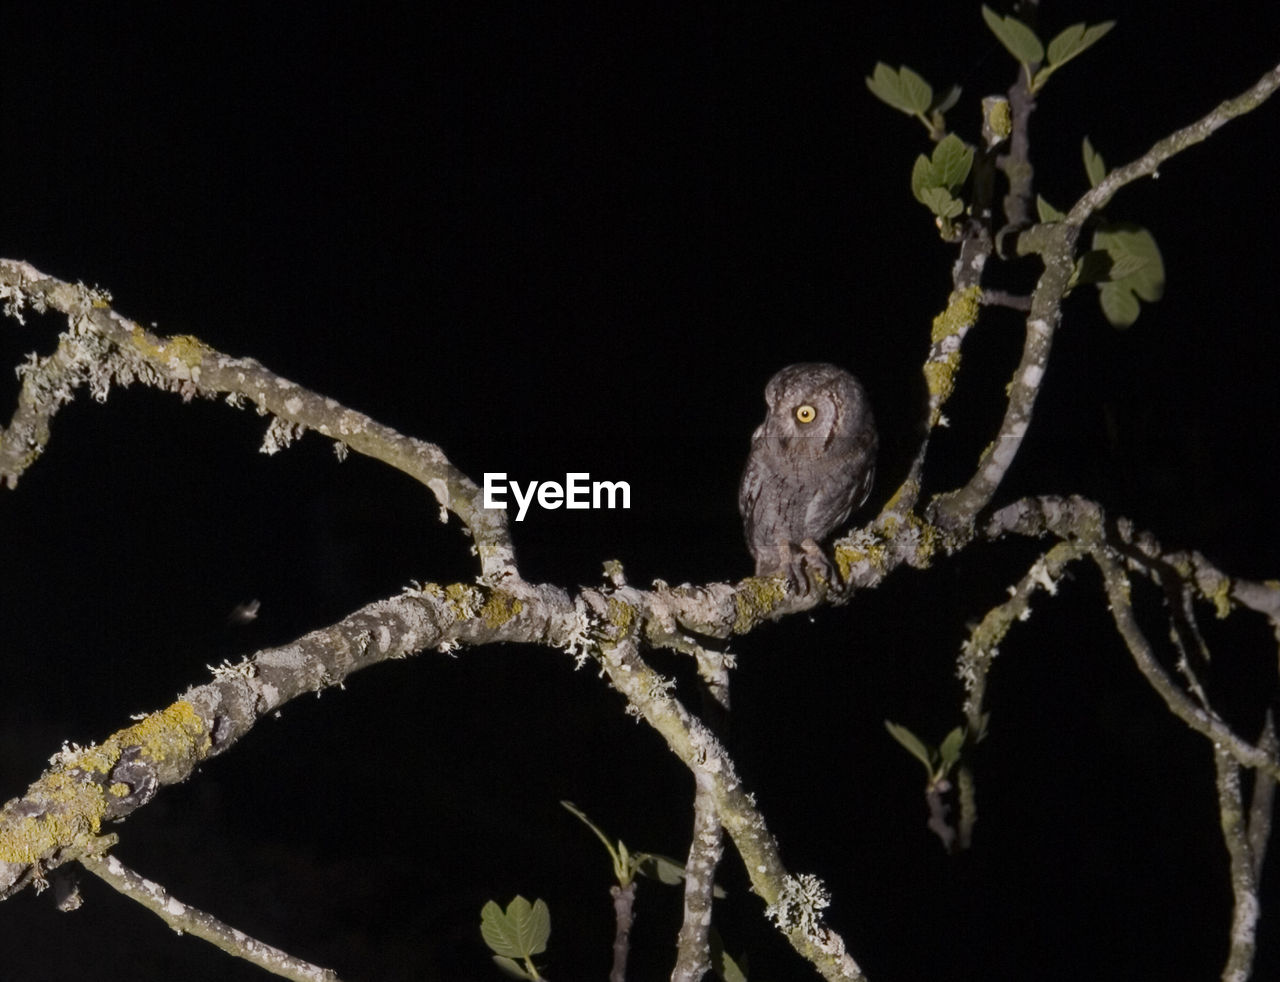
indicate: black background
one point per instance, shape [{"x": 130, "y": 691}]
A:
[{"x": 581, "y": 238}]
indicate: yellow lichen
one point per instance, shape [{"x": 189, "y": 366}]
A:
[
  {"x": 847, "y": 557},
  {"x": 72, "y": 802},
  {"x": 73, "y": 807},
  {"x": 928, "y": 542},
  {"x": 185, "y": 348},
  {"x": 499, "y": 608},
  {"x": 754, "y": 599},
  {"x": 962, "y": 312},
  {"x": 1220, "y": 597},
  {"x": 465, "y": 600},
  {"x": 999, "y": 118},
  {"x": 98, "y": 759},
  {"x": 175, "y": 733},
  {"x": 939, "y": 375},
  {"x": 621, "y": 615},
  {"x": 494, "y": 607}
]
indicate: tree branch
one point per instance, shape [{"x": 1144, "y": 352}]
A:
[
  {"x": 1149, "y": 163},
  {"x": 693, "y": 943},
  {"x": 795, "y": 903},
  {"x": 1083, "y": 522},
  {"x": 1056, "y": 243},
  {"x": 1244, "y": 881},
  {"x": 188, "y": 920},
  {"x": 101, "y": 348}
]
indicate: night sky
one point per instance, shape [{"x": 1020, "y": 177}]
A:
[{"x": 582, "y": 238}]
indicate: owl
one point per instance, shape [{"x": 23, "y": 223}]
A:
[{"x": 812, "y": 462}]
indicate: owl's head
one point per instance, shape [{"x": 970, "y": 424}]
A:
[{"x": 815, "y": 409}]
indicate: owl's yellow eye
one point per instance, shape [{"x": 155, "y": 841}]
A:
[{"x": 806, "y": 413}]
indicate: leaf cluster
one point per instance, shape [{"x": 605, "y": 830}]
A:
[
  {"x": 936, "y": 179},
  {"x": 627, "y": 865},
  {"x": 938, "y": 761},
  {"x": 516, "y": 935},
  {"x": 1021, "y": 42},
  {"x": 907, "y": 92},
  {"x": 1124, "y": 260}
]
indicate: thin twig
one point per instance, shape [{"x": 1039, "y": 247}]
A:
[
  {"x": 1263, "y": 799},
  {"x": 1244, "y": 883},
  {"x": 624, "y": 903},
  {"x": 693, "y": 944},
  {"x": 1056, "y": 243},
  {"x": 1149, "y": 163},
  {"x": 1003, "y": 298},
  {"x": 186, "y": 919},
  {"x": 706, "y": 846},
  {"x": 102, "y": 348},
  {"x": 796, "y": 903}
]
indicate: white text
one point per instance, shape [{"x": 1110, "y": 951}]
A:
[{"x": 574, "y": 493}]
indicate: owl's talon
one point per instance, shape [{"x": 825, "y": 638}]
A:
[{"x": 808, "y": 568}]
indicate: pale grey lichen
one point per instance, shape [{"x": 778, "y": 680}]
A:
[
  {"x": 578, "y": 642},
  {"x": 227, "y": 671},
  {"x": 441, "y": 490},
  {"x": 1039, "y": 572},
  {"x": 661, "y": 687},
  {"x": 280, "y": 433},
  {"x": 972, "y": 666},
  {"x": 68, "y": 753},
  {"x": 800, "y": 904}
]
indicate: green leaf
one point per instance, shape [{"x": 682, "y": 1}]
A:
[
  {"x": 902, "y": 89},
  {"x": 1128, "y": 266},
  {"x": 949, "y": 752},
  {"x": 726, "y": 969},
  {"x": 1093, "y": 267},
  {"x": 1018, "y": 39},
  {"x": 1134, "y": 252},
  {"x": 1075, "y": 40},
  {"x": 1093, "y": 164},
  {"x": 664, "y": 869},
  {"x": 582, "y": 817},
  {"x": 952, "y": 161},
  {"x": 947, "y": 101},
  {"x": 511, "y": 968},
  {"x": 933, "y": 179},
  {"x": 1119, "y": 306},
  {"x": 522, "y": 930},
  {"x": 621, "y": 871},
  {"x": 1047, "y": 212},
  {"x": 921, "y": 177},
  {"x": 914, "y": 746},
  {"x": 941, "y": 203},
  {"x": 1136, "y": 271}
]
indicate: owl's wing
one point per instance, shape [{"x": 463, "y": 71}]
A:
[
  {"x": 863, "y": 462},
  {"x": 753, "y": 481},
  {"x": 843, "y": 490}
]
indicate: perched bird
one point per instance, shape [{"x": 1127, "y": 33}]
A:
[{"x": 812, "y": 462}]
